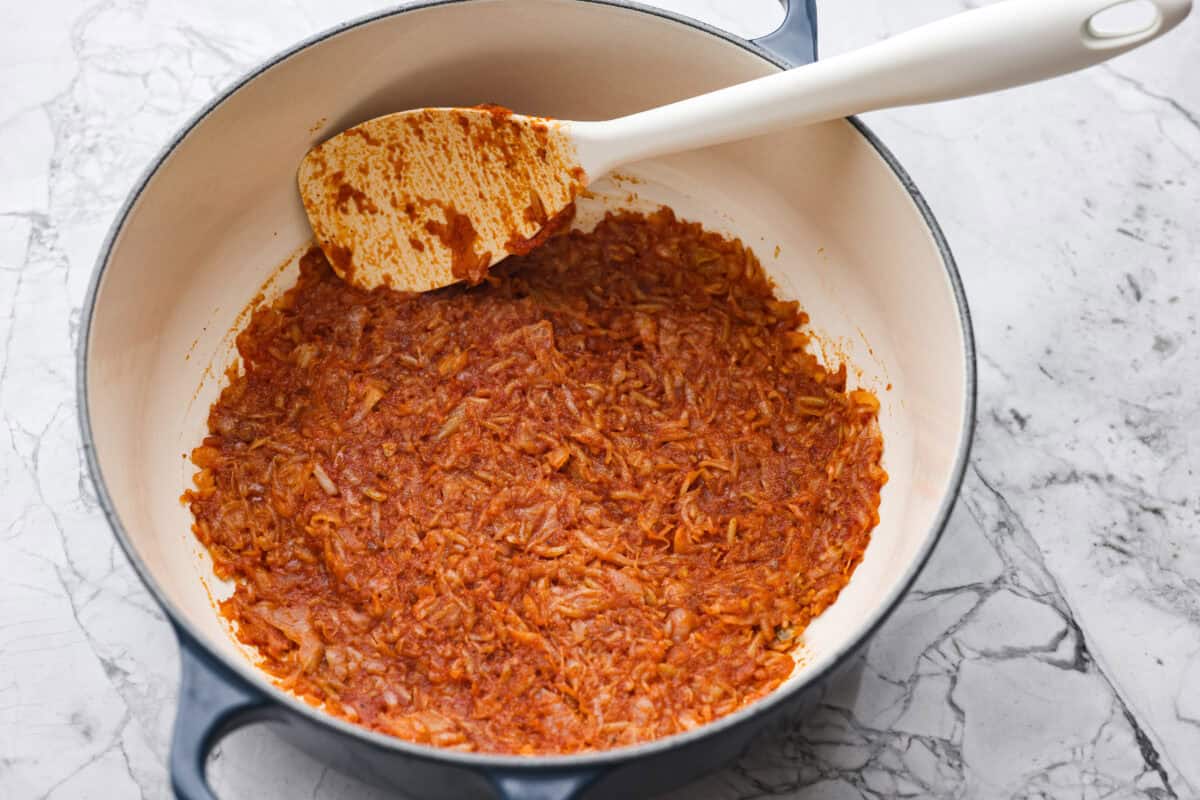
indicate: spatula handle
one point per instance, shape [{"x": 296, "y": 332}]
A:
[{"x": 983, "y": 50}]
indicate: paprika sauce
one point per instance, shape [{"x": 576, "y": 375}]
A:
[{"x": 590, "y": 502}]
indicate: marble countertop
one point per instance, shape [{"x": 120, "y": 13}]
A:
[{"x": 1051, "y": 647}]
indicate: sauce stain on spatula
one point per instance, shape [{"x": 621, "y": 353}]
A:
[{"x": 422, "y": 199}]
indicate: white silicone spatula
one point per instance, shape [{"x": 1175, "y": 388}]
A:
[{"x": 421, "y": 199}]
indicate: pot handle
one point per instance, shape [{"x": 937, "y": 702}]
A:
[
  {"x": 795, "y": 40},
  {"x": 565, "y": 785},
  {"x": 212, "y": 702}
]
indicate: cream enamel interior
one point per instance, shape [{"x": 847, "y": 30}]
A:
[{"x": 221, "y": 215}]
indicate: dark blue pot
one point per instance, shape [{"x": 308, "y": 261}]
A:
[{"x": 215, "y": 700}]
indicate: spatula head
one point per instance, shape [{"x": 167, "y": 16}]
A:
[{"x": 421, "y": 199}]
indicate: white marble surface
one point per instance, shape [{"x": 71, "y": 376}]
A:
[{"x": 1051, "y": 648}]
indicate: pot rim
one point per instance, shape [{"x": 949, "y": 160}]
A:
[{"x": 246, "y": 672}]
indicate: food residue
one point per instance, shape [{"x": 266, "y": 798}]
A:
[{"x": 421, "y": 199}]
